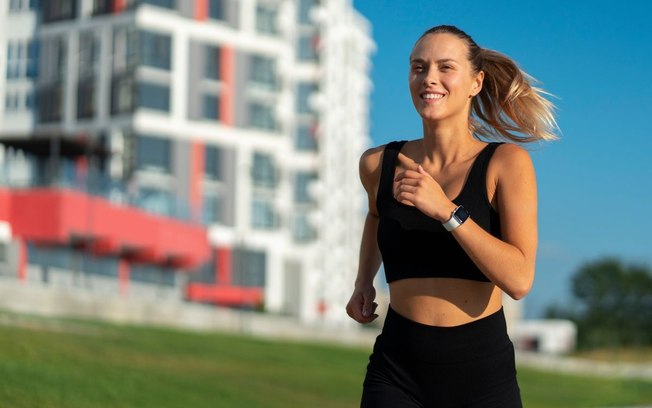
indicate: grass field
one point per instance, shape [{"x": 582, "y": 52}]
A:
[{"x": 86, "y": 364}]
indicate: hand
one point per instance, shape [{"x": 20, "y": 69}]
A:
[
  {"x": 361, "y": 306},
  {"x": 419, "y": 189}
]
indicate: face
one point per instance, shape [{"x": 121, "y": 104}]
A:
[{"x": 442, "y": 81}]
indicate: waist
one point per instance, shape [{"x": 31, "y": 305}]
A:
[{"x": 444, "y": 302}]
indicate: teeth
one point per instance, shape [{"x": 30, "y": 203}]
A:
[{"x": 432, "y": 96}]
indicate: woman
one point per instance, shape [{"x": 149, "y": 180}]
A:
[{"x": 454, "y": 221}]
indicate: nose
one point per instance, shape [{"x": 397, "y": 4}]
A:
[{"x": 431, "y": 76}]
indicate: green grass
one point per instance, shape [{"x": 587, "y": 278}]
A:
[{"x": 85, "y": 364}]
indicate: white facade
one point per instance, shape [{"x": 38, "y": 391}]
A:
[{"x": 310, "y": 244}]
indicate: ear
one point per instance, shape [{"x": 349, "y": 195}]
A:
[{"x": 477, "y": 84}]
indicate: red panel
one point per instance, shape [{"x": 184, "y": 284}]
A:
[
  {"x": 201, "y": 10},
  {"x": 224, "y": 265},
  {"x": 225, "y": 295},
  {"x": 119, "y": 6},
  {"x": 5, "y": 204},
  {"x": 227, "y": 70},
  {"x": 50, "y": 215},
  {"x": 196, "y": 176}
]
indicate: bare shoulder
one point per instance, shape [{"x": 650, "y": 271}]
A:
[
  {"x": 510, "y": 159},
  {"x": 369, "y": 166}
]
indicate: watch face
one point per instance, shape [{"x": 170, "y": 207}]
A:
[{"x": 461, "y": 214}]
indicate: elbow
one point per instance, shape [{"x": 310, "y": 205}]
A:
[{"x": 520, "y": 289}]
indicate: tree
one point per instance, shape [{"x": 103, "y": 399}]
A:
[{"x": 613, "y": 304}]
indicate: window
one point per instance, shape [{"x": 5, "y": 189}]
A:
[
  {"x": 122, "y": 94},
  {"x": 263, "y": 172},
  {"x": 152, "y": 274},
  {"x": 125, "y": 48},
  {"x": 160, "y": 3},
  {"x": 22, "y": 59},
  {"x": 263, "y": 215},
  {"x": 101, "y": 7},
  {"x": 302, "y": 229},
  {"x": 216, "y": 9},
  {"x": 249, "y": 267},
  {"x": 301, "y": 183},
  {"x": 86, "y": 98},
  {"x": 263, "y": 72},
  {"x": 304, "y": 10},
  {"x": 304, "y": 91},
  {"x": 212, "y": 62},
  {"x": 50, "y": 103},
  {"x": 212, "y": 208},
  {"x": 262, "y": 116},
  {"x": 56, "y": 10},
  {"x": 210, "y": 107},
  {"x": 153, "y": 153},
  {"x": 154, "y": 96},
  {"x": 155, "y": 50},
  {"x": 213, "y": 159},
  {"x": 266, "y": 19},
  {"x": 156, "y": 201},
  {"x": 12, "y": 102},
  {"x": 305, "y": 138},
  {"x": 307, "y": 50},
  {"x": 89, "y": 53}
]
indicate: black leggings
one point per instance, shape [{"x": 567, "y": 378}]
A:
[{"x": 419, "y": 366}]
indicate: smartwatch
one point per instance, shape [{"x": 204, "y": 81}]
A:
[{"x": 459, "y": 215}]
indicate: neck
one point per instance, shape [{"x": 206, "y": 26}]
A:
[{"x": 446, "y": 143}]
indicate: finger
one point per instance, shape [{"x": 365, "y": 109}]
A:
[
  {"x": 367, "y": 307},
  {"x": 409, "y": 174}
]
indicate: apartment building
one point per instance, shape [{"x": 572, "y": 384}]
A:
[{"x": 198, "y": 150}]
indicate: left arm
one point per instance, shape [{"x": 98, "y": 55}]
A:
[{"x": 508, "y": 262}]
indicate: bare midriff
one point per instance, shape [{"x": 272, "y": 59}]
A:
[{"x": 444, "y": 302}]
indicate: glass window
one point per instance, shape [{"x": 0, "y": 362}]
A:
[
  {"x": 249, "y": 267},
  {"x": 262, "y": 116},
  {"x": 212, "y": 208},
  {"x": 213, "y": 158},
  {"x": 154, "y": 96},
  {"x": 304, "y": 90},
  {"x": 155, "y": 201},
  {"x": 307, "y": 48},
  {"x": 212, "y": 62},
  {"x": 122, "y": 94},
  {"x": 263, "y": 172},
  {"x": 266, "y": 19},
  {"x": 153, "y": 153},
  {"x": 86, "y": 98},
  {"x": 301, "y": 183},
  {"x": 302, "y": 230},
  {"x": 210, "y": 107},
  {"x": 171, "y": 4},
  {"x": 55, "y": 10},
  {"x": 304, "y": 10},
  {"x": 33, "y": 49},
  {"x": 125, "y": 48},
  {"x": 216, "y": 9},
  {"x": 152, "y": 274},
  {"x": 155, "y": 50},
  {"x": 305, "y": 138},
  {"x": 263, "y": 215},
  {"x": 263, "y": 72},
  {"x": 89, "y": 53}
]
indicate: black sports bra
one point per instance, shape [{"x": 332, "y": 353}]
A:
[{"x": 414, "y": 245}]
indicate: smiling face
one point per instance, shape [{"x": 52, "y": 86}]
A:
[{"x": 442, "y": 80}]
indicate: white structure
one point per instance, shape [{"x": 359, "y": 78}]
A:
[
  {"x": 550, "y": 336},
  {"x": 247, "y": 116}
]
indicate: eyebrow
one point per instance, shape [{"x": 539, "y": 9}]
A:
[{"x": 439, "y": 61}]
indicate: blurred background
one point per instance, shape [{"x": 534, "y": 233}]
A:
[{"x": 194, "y": 163}]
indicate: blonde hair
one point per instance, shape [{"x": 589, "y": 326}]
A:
[{"x": 508, "y": 107}]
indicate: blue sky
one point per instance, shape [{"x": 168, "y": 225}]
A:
[{"x": 595, "y": 183}]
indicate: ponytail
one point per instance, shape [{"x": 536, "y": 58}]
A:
[
  {"x": 508, "y": 103},
  {"x": 508, "y": 107}
]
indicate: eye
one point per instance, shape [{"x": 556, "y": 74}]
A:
[
  {"x": 417, "y": 68},
  {"x": 446, "y": 67}
]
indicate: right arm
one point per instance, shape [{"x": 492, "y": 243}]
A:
[{"x": 361, "y": 306}]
